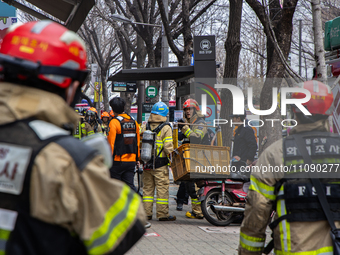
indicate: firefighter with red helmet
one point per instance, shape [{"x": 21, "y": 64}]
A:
[
  {"x": 54, "y": 195},
  {"x": 193, "y": 134},
  {"x": 105, "y": 117},
  {"x": 91, "y": 126},
  {"x": 300, "y": 225}
]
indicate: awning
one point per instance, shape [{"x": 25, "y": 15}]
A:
[
  {"x": 72, "y": 13},
  {"x": 177, "y": 73}
]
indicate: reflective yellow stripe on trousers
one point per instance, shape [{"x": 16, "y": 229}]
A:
[
  {"x": 162, "y": 201},
  {"x": 251, "y": 243},
  {"x": 147, "y": 199},
  {"x": 116, "y": 222},
  {"x": 195, "y": 201}
]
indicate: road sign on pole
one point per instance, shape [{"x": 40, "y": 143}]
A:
[{"x": 151, "y": 91}]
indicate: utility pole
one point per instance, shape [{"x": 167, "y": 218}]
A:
[
  {"x": 165, "y": 58},
  {"x": 140, "y": 85},
  {"x": 318, "y": 42},
  {"x": 300, "y": 44}
]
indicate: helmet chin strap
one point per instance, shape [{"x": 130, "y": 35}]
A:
[{"x": 71, "y": 92}]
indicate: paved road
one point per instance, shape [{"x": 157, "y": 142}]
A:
[{"x": 184, "y": 236}]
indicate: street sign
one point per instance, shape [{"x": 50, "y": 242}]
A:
[
  {"x": 129, "y": 86},
  {"x": 146, "y": 107},
  {"x": 204, "y": 47},
  {"x": 151, "y": 91},
  {"x": 178, "y": 114}
]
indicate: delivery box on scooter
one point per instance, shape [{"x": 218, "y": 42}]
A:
[{"x": 196, "y": 161}]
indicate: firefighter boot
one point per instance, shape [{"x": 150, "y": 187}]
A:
[{"x": 193, "y": 215}]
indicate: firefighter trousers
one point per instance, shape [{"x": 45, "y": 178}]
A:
[
  {"x": 192, "y": 189},
  {"x": 159, "y": 179}
]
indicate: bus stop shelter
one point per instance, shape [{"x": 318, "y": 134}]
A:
[
  {"x": 178, "y": 74},
  {"x": 204, "y": 67}
]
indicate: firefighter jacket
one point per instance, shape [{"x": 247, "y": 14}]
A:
[
  {"x": 105, "y": 128},
  {"x": 125, "y": 146},
  {"x": 291, "y": 236},
  {"x": 54, "y": 198},
  {"x": 90, "y": 129},
  {"x": 164, "y": 142},
  {"x": 195, "y": 134}
]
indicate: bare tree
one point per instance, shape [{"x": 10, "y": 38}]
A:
[
  {"x": 98, "y": 35},
  {"x": 232, "y": 48},
  {"x": 277, "y": 23}
]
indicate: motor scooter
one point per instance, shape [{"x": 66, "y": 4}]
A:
[{"x": 223, "y": 202}]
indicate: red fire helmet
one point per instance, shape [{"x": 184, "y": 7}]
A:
[
  {"x": 321, "y": 100},
  {"x": 59, "y": 52},
  {"x": 191, "y": 103}
]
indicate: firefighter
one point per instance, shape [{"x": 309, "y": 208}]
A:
[
  {"x": 91, "y": 126},
  {"x": 111, "y": 115},
  {"x": 196, "y": 135},
  {"x": 54, "y": 195},
  {"x": 300, "y": 226},
  {"x": 77, "y": 130},
  {"x": 105, "y": 123},
  {"x": 156, "y": 176},
  {"x": 124, "y": 141}
]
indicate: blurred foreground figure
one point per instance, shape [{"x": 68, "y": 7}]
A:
[
  {"x": 56, "y": 196},
  {"x": 300, "y": 225}
]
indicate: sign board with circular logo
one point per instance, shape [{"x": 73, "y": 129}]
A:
[
  {"x": 204, "y": 47},
  {"x": 151, "y": 91},
  {"x": 209, "y": 112}
]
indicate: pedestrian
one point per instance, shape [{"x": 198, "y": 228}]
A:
[
  {"x": 182, "y": 196},
  {"x": 300, "y": 225},
  {"x": 124, "y": 141},
  {"x": 56, "y": 196},
  {"x": 196, "y": 134},
  {"x": 156, "y": 176},
  {"x": 245, "y": 145},
  {"x": 91, "y": 126}
]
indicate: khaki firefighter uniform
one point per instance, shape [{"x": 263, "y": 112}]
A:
[
  {"x": 90, "y": 129},
  {"x": 105, "y": 128},
  {"x": 159, "y": 177},
  {"x": 67, "y": 199},
  {"x": 195, "y": 134},
  {"x": 297, "y": 237}
]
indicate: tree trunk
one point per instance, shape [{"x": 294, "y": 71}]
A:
[
  {"x": 281, "y": 23},
  {"x": 232, "y": 48},
  {"x": 104, "y": 90},
  {"x": 318, "y": 42},
  {"x": 272, "y": 131}
]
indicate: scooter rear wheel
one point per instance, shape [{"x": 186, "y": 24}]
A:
[{"x": 214, "y": 197}]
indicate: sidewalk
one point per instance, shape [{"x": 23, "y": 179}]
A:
[{"x": 184, "y": 236}]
